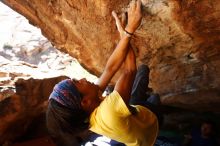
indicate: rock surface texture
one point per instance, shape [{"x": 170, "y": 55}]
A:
[
  {"x": 27, "y": 60},
  {"x": 19, "y": 109},
  {"x": 178, "y": 39}
]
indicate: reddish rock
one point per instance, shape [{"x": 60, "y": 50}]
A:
[
  {"x": 178, "y": 39},
  {"x": 19, "y": 110}
]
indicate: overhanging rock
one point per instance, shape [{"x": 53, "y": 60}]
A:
[{"x": 178, "y": 39}]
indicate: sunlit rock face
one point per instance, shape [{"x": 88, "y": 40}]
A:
[
  {"x": 178, "y": 39},
  {"x": 27, "y": 60}
]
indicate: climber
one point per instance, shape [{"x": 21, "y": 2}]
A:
[{"x": 77, "y": 105}]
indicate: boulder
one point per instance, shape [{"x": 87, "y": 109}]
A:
[
  {"x": 18, "y": 110},
  {"x": 178, "y": 40}
]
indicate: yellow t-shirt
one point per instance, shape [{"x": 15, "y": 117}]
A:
[{"x": 113, "y": 119}]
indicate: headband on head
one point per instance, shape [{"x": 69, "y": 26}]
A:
[{"x": 66, "y": 93}]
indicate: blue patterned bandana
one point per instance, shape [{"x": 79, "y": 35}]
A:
[{"x": 66, "y": 93}]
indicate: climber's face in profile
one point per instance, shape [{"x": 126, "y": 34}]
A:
[{"x": 89, "y": 92}]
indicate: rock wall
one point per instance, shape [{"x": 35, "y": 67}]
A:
[
  {"x": 178, "y": 39},
  {"x": 20, "y": 109}
]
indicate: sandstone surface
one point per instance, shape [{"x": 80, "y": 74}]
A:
[{"x": 178, "y": 39}]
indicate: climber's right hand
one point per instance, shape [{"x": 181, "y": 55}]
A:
[{"x": 134, "y": 16}]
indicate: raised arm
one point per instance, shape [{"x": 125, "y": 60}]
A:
[
  {"x": 124, "y": 84},
  {"x": 119, "y": 54}
]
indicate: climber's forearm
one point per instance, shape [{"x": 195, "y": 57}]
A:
[{"x": 114, "y": 62}]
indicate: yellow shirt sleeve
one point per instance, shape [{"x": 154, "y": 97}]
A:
[
  {"x": 113, "y": 119},
  {"x": 114, "y": 104},
  {"x": 111, "y": 114}
]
